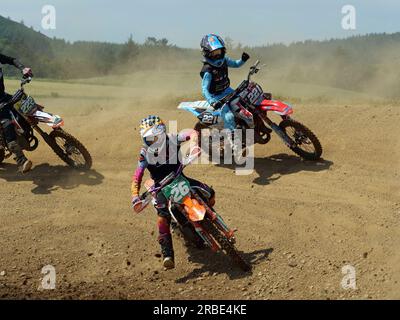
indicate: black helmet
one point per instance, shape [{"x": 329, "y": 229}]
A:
[{"x": 213, "y": 49}]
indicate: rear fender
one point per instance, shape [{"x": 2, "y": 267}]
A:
[{"x": 193, "y": 111}]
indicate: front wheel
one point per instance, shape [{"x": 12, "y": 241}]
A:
[
  {"x": 226, "y": 245},
  {"x": 305, "y": 143},
  {"x": 69, "y": 149}
]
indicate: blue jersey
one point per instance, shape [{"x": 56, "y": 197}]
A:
[{"x": 207, "y": 81}]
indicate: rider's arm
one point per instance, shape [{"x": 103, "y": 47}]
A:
[
  {"x": 234, "y": 63},
  {"x": 205, "y": 86},
  {"x": 138, "y": 175},
  {"x": 11, "y": 61}
]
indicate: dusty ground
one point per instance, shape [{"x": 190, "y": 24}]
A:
[{"x": 299, "y": 222}]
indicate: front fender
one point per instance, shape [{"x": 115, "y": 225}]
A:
[{"x": 194, "y": 209}]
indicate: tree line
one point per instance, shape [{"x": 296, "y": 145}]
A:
[{"x": 362, "y": 63}]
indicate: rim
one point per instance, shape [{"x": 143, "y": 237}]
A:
[
  {"x": 71, "y": 151},
  {"x": 301, "y": 139}
]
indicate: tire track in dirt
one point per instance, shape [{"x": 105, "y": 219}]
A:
[{"x": 299, "y": 222}]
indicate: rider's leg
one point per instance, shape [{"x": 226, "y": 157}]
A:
[
  {"x": 229, "y": 117},
  {"x": 11, "y": 140},
  {"x": 230, "y": 125},
  {"x": 164, "y": 232}
]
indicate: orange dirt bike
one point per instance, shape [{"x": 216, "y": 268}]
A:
[
  {"x": 193, "y": 217},
  {"x": 26, "y": 116}
]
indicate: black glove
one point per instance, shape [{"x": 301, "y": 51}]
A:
[
  {"x": 216, "y": 104},
  {"x": 245, "y": 56}
]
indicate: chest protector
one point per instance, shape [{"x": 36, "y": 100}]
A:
[
  {"x": 220, "y": 80},
  {"x": 169, "y": 163}
]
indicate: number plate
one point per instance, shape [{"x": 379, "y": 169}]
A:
[
  {"x": 28, "y": 106},
  {"x": 208, "y": 118},
  {"x": 252, "y": 93},
  {"x": 177, "y": 190}
]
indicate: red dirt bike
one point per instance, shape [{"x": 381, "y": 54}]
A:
[
  {"x": 193, "y": 217},
  {"x": 27, "y": 115},
  {"x": 250, "y": 105}
]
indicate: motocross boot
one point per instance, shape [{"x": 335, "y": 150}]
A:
[
  {"x": 167, "y": 251},
  {"x": 23, "y": 163}
]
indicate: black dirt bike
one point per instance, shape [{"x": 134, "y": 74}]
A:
[{"x": 26, "y": 116}]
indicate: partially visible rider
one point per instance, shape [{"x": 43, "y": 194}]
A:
[
  {"x": 6, "y": 115},
  {"x": 159, "y": 155},
  {"x": 215, "y": 79}
]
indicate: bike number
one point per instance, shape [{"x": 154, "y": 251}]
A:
[
  {"x": 253, "y": 94},
  {"x": 177, "y": 190},
  {"x": 208, "y": 118}
]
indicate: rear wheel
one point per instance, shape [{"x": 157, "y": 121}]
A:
[
  {"x": 69, "y": 149},
  {"x": 226, "y": 245},
  {"x": 305, "y": 142},
  {"x": 2, "y": 154}
]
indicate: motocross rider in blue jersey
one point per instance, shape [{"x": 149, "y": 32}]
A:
[{"x": 215, "y": 79}]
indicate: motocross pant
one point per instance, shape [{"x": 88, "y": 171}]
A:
[
  {"x": 226, "y": 111},
  {"x": 164, "y": 217},
  {"x": 10, "y": 135},
  {"x": 5, "y": 120},
  {"x": 229, "y": 117}
]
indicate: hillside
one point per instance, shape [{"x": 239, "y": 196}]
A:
[{"x": 367, "y": 63}]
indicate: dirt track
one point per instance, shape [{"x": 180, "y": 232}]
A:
[{"x": 299, "y": 222}]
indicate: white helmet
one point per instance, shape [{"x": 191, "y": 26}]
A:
[{"x": 153, "y": 133}]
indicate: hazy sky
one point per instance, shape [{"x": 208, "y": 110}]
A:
[{"x": 184, "y": 22}]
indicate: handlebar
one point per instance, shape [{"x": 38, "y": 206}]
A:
[
  {"x": 18, "y": 94},
  {"x": 253, "y": 70},
  {"x": 172, "y": 175},
  {"x": 26, "y": 80}
]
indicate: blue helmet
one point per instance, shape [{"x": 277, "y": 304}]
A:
[{"x": 213, "y": 49}]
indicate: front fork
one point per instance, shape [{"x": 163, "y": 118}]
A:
[
  {"x": 217, "y": 219},
  {"x": 281, "y": 134},
  {"x": 198, "y": 228}
]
